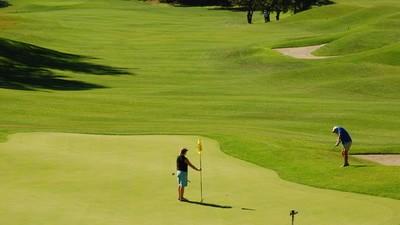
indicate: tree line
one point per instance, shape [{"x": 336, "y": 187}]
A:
[
  {"x": 277, "y": 7},
  {"x": 267, "y": 7}
]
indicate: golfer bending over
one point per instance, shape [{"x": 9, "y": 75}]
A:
[
  {"x": 344, "y": 137},
  {"x": 182, "y": 173}
]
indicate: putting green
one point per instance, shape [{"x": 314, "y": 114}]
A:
[{"x": 57, "y": 178}]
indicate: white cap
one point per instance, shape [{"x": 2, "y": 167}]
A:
[{"x": 334, "y": 129}]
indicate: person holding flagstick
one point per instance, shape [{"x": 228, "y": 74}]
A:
[{"x": 182, "y": 164}]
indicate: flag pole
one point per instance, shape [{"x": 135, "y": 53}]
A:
[
  {"x": 200, "y": 148},
  {"x": 201, "y": 180}
]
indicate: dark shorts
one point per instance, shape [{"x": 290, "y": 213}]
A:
[{"x": 347, "y": 146}]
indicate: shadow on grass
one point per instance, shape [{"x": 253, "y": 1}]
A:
[
  {"x": 28, "y": 67},
  {"x": 248, "y": 209},
  {"x": 198, "y": 3},
  {"x": 360, "y": 165},
  {"x": 376, "y": 153},
  {"x": 229, "y": 8},
  {"x": 209, "y": 204},
  {"x": 4, "y": 4}
]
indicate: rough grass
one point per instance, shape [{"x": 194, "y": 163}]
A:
[{"x": 201, "y": 71}]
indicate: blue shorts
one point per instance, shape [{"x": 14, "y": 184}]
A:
[{"x": 182, "y": 178}]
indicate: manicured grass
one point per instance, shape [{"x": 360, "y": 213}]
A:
[
  {"x": 190, "y": 70},
  {"x": 56, "y": 178}
]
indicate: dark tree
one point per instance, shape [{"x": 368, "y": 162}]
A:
[
  {"x": 267, "y": 14},
  {"x": 250, "y": 10},
  {"x": 250, "y": 6},
  {"x": 281, "y": 6},
  {"x": 267, "y": 8},
  {"x": 302, "y": 5}
]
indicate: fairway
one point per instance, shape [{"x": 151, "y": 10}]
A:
[{"x": 63, "y": 179}]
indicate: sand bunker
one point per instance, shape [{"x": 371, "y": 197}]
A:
[
  {"x": 387, "y": 159},
  {"x": 302, "y": 52}
]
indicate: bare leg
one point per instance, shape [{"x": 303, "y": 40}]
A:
[
  {"x": 345, "y": 155},
  {"x": 346, "y": 158},
  {"x": 346, "y": 150},
  {"x": 181, "y": 191}
]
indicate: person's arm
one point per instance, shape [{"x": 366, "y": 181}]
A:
[
  {"x": 338, "y": 140},
  {"x": 191, "y": 165}
]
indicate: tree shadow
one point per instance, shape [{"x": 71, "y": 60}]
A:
[
  {"x": 229, "y": 8},
  {"x": 360, "y": 165},
  {"x": 376, "y": 153},
  {"x": 4, "y": 4},
  {"x": 198, "y": 3},
  {"x": 209, "y": 204},
  {"x": 20, "y": 77},
  {"x": 28, "y": 67},
  {"x": 325, "y": 2}
]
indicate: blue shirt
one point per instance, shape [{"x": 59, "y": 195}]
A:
[{"x": 343, "y": 135}]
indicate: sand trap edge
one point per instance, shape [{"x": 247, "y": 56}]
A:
[
  {"x": 384, "y": 159},
  {"x": 302, "y": 52}
]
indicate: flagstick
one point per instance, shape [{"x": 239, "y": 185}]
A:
[
  {"x": 200, "y": 148},
  {"x": 201, "y": 181}
]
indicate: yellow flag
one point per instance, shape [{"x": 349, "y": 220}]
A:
[{"x": 199, "y": 146}]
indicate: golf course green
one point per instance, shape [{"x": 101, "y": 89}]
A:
[
  {"x": 104, "y": 71},
  {"x": 58, "y": 178}
]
